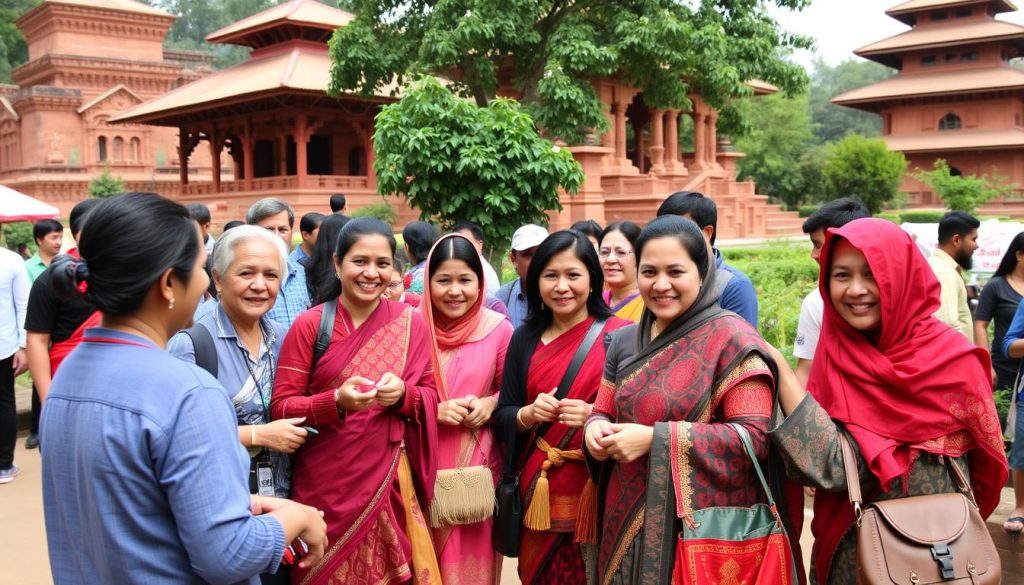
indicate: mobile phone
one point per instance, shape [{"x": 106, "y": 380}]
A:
[{"x": 312, "y": 432}]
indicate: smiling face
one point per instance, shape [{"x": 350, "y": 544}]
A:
[
  {"x": 365, "y": 271},
  {"x": 249, "y": 286},
  {"x": 454, "y": 288},
  {"x": 669, "y": 279},
  {"x": 617, "y": 261},
  {"x": 565, "y": 286},
  {"x": 852, "y": 288}
]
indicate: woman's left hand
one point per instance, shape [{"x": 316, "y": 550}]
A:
[
  {"x": 480, "y": 411},
  {"x": 628, "y": 442},
  {"x": 390, "y": 389},
  {"x": 574, "y": 413}
]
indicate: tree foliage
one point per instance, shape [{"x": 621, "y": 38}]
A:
[
  {"x": 456, "y": 161},
  {"x": 864, "y": 168},
  {"x": 963, "y": 193},
  {"x": 13, "y": 50},
  {"x": 105, "y": 185},
  {"x": 832, "y": 122},
  {"x": 549, "y": 51}
]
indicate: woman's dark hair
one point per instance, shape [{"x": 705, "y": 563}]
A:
[
  {"x": 630, "y": 230},
  {"x": 320, "y": 265},
  {"x": 233, "y": 224},
  {"x": 1009, "y": 261},
  {"x": 419, "y": 236},
  {"x": 589, "y": 227},
  {"x": 127, "y": 244},
  {"x": 353, "y": 230},
  {"x": 538, "y": 319},
  {"x": 689, "y": 235},
  {"x": 455, "y": 248}
]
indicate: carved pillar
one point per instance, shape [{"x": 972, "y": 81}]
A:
[
  {"x": 301, "y": 136},
  {"x": 672, "y": 161},
  {"x": 183, "y": 152},
  {"x": 699, "y": 141},
  {"x": 657, "y": 149},
  {"x": 215, "y": 145},
  {"x": 619, "y": 110},
  {"x": 248, "y": 154},
  {"x": 713, "y": 139}
]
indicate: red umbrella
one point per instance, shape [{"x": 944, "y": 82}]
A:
[{"x": 15, "y": 206}]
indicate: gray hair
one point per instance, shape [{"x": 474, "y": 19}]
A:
[
  {"x": 224, "y": 250},
  {"x": 264, "y": 208}
]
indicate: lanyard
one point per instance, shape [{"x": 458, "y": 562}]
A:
[{"x": 264, "y": 397}]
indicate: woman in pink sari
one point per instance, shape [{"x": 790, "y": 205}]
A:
[
  {"x": 372, "y": 398},
  {"x": 469, "y": 344}
]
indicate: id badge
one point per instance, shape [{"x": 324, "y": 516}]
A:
[{"x": 265, "y": 480}]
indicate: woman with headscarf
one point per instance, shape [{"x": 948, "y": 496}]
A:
[
  {"x": 906, "y": 389},
  {"x": 672, "y": 385},
  {"x": 468, "y": 345}
]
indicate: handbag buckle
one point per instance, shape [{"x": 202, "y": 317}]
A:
[{"x": 944, "y": 556}]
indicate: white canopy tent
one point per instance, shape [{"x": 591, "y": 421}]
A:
[{"x": 15, "y": 206}]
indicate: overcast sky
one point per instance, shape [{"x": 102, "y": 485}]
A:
[{"x": 840, "y": 26}]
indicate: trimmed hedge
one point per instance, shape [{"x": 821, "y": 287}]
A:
[
  {"x": 893, "y": 216},
  {"x": 807, "y": 210},
  {"x": 922, "y": 216}
]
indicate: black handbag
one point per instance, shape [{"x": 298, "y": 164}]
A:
[{"x": 507, "y": 526}]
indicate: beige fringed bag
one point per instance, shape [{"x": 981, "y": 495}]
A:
[{"x": 464, "y": 495}]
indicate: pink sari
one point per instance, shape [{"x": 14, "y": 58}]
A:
[{"x": 371, "y": 472}]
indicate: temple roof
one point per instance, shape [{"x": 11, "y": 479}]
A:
[
  {"x": 298, "y": 15},
  {"x": 958, "y": 140},
  {"x": 299, "y": 71},
  {"x": 932, "y": 83},
  {"x": 889, "y": 51},
  {"x": 906, "y": 12},
  {"x": 122, "y": 5}
]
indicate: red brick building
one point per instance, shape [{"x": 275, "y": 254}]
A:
[{"x": 956, "y": 97}]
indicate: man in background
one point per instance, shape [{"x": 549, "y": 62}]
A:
[
  {"x": 524, "y": 244},
  {"x": 339, "y": 205},
  {"x": 309, "y": 229},
  {"x": 278, "y": 217},
  {"x": 475, "y": 234},
  {"x": 201, "y": 214},
  {"x": 958, "y": 239},
  {"x": 13, "y": 360}
]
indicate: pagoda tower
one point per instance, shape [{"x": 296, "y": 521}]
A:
[{"x": 956, "y": 97}]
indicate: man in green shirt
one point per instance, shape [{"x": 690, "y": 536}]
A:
[{"x": 49, "y": 235}]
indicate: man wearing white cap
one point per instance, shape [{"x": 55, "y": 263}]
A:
[{"x": 524, "y": 244}]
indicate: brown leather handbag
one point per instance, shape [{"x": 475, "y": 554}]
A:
[{"x": 921, "y": 540}]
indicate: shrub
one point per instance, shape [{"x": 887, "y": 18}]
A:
[
  {"x": 922, "y": 216},
  {"x": 18, "y": 233},
  {"x": 381, "y": 210},
  {"x": 105, "y": 185},
  {"x": 963, "y": 193},
  {"x": 807, "y": 210},
  {"x": 893, "y": 216},
  {"x": 864, "y": 167}
]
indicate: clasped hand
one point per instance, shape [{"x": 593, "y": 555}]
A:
[
  {"x": 358, "y": 393},
  {"x": 568, "y": 411},
  {"x": 469, "y": 411},
  {"x": 622, "y": 442}
]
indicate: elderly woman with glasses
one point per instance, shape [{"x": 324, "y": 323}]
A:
[{"x": 615, "y": 249}]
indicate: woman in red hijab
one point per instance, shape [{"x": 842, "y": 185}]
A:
[{"x": 905, "y": 388}]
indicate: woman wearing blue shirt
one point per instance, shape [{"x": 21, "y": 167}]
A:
[
  {"x": 1013, "y": 348},
  {"x": 144, "y": 479}
]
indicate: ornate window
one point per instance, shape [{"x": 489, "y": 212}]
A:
[
  {"x": 118, "y": 149},
  {"x": 101, "y": 148},
  {"x": 134, "y": 149},
  {"x": 950, "y": 122}
]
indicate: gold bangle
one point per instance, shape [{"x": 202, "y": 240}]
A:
[{"x": 252, "y": 435}]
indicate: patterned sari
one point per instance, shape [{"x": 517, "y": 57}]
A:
[
  {"x": 709, "y": 367},
  {"x": 552, "y": 556},
  {"x": 368, "y": 471}
]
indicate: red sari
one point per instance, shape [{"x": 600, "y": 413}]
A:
[
  {"x": 552, "y": 556},
  {"x": 358, "y": 470}
]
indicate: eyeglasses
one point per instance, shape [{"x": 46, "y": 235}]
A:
[
  {"x": 606, "y": 253},
  {"x": 394, "y": 285}
]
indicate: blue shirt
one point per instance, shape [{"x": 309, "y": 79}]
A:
[
  {"x": 248, "y": 385},
  {"x": 1015, "y": 332},
  {"x": 144, "y": 479},
  {"x": 298, "y": 255},
  {"x": 739, "y": 295},
  {"x": 515, "y": 301},
  {"x": 293, "y": 298}
]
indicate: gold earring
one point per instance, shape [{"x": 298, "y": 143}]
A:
[{"x": 170, "y": 306}]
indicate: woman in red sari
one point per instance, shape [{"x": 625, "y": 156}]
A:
[
  {"x": 563, "y": 290},
  {"x": 372, "y": 398}
]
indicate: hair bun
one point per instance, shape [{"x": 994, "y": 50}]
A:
[{"x": 81, "y": 275}]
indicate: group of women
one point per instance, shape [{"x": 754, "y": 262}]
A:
[{"x": 392, "y": 423}]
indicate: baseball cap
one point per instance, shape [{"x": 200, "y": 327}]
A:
[{"x": 528, "y": 236}]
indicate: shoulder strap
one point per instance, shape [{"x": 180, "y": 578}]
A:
[
  {"x": 323, "y": 333},
  {"x": 205, "y": 350},
  {"x": 852, "y": 476}
]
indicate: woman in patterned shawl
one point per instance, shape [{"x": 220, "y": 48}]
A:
[{"x": 671, "y": 385}]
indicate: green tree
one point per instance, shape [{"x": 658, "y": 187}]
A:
[
  {"x": 963, "y": 193},
  {"x": 832, "y": 122},
  {"x": 549, "y": 51},
  {"x": 13, "y": 50},
  {"x": 456, "y": 161},
  {"x": 780, "y": 132},
  {"x": 105, "y": 185},
  {"x": 865, "y": 168}
]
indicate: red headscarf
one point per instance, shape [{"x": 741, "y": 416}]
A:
[{"x": 922, "y": 386}]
